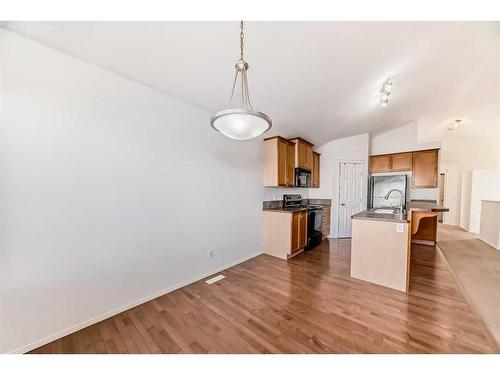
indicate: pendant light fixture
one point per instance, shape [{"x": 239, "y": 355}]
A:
[{"x": 241, "y": 122}]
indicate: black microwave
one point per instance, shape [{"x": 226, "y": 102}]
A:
[{"x": 302, "y": 177}]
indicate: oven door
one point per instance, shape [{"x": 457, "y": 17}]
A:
[
  {"x": 315, "y": 222},
  {"x": 314, "y": 227},
  {"x": 302, "y": 177}
]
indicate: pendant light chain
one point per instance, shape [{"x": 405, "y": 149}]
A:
[
  {"x": 241, "y": 68},
  {"x": 245, "y": 95},
  {"x": 242, "y": 35}
]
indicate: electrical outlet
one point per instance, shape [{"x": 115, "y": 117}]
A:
[
  {"x": 211, "y": 253},
  {"x": 399, "y": 228}
]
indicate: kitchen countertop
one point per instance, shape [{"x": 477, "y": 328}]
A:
[
  {"x": 426, "y": 206},
  {"x": 412, "y": 206},
  {"x": 286, "y": 210},
  {"x": 370, "y": 215}
]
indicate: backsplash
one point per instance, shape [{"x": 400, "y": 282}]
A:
[
  {"x": 274, "y": 193},
  {"x": 279, "y": 202}
]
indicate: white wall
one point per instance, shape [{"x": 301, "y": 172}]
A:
[
  {"x": 453, "y": 190},
  {"x": 489, "y": 230},
  {"x": 485, "y": 185},
  {"x": 110, "y": 193},
  {"x": 465, "y": 197},
  {"x": 353, "y": 148},
  {"x": 400, "y": 139},
  {"x": 459, "y": 156}
]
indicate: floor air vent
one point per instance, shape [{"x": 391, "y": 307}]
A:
[{"x": 215, "y": 279}]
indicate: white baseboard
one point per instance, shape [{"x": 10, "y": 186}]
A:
[
  {"x": 118, "y": 310},
  {"x": 423, "y": 242},
  {"x": 496, "y": 247}
]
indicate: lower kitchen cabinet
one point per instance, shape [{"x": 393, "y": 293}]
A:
[
  {"x": 325, "y": 225},
  {"x": 285, "y": 233}
]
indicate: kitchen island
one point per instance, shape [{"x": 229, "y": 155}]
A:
[{"x": 381, "y": 242}]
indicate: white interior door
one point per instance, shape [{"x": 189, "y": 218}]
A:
[{"x": 350, "y": 195}]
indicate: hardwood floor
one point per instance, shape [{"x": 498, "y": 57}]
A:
[
  {"x": 476, "y": 266},
  {"x": 307, "y": 305}
]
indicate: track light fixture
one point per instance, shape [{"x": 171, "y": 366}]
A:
[
  {"x": 385, "y": 91},
  {"x": 454, "y": 125}
]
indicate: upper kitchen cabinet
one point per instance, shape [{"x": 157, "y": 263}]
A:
[
  {"x": 422, "y": 164},
  {"x": 401, "y": 162},
  {"x": 303, "y": 153},
  {"x": 279, "y": 162},
  {"x": 380, "y": 163},
  {"x": 425, "y": 169},
  {"x": 315, "y": 171},
  {"x": 290, "y": 164}
]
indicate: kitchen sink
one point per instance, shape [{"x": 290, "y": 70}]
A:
[{"x": 384, "y": 211}]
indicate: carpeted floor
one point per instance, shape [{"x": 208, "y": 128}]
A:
[{"x": 476, "y": 265}]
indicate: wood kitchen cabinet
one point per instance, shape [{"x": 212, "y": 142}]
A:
[
  {"x": 299, "y": 231},
  {"x": 290, "y": 164},
  {"x": 425, "y": 169},
  {"x": 401, "y": 162},
  {"x": 315, "y": 170},
  {"x": 380, "y": 163},
  {"x": 279, "y": 162},
  {"x": 423, "y": 165},
  {"x": 303, "y": 153},
  {"x": 285, "y": 233}
]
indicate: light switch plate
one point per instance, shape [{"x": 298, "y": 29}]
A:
[{"x": 399, "y": 228}]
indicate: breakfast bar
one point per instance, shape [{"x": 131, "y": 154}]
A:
[{"x": 381, "y": 242}]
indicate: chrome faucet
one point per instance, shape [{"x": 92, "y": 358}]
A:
[{"x": 401, "y": 205}]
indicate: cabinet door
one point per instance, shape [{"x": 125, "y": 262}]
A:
[
  {"x": 301, "y": 155},
  {"x": 282, "y": 166},
  {"x": 309, "y": 157},
  {"x": 380, "y": 163},
  {"x": 290, "y": 164},
  {"x": 315, "y": 171},
  {"x": 425, "y": 168},
  {"x": 401, "y": 162},
  {"x": 302, "y": 229}
]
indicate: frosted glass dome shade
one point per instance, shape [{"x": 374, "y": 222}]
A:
[{"x": 241, "y": 124}]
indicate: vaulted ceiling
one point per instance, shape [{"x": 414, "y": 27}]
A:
[{"x": 318, "y": 80}]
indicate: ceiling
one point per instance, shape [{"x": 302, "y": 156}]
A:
[{"x": 318, "y": 80}]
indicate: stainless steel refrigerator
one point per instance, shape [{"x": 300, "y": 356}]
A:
[{"x": 380, "y": 186}]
